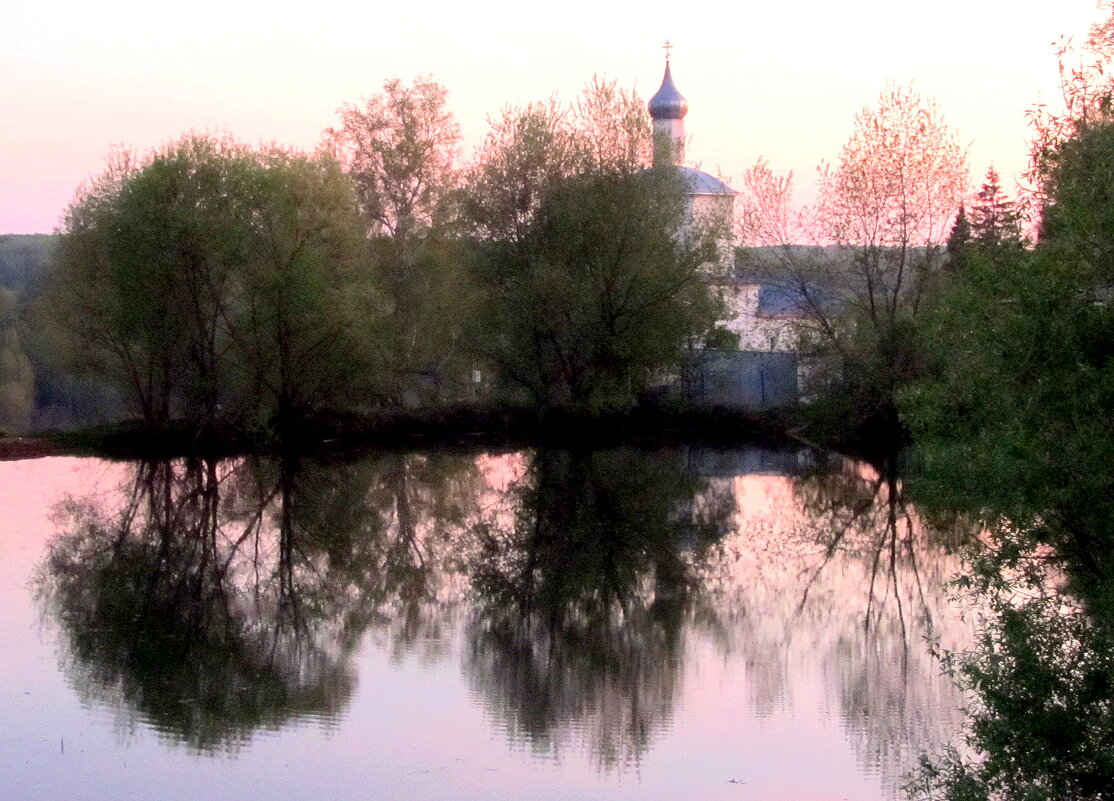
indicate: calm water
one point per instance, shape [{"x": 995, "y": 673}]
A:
[{"x": 545, "y": 625}]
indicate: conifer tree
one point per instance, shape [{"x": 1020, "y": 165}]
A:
[
  {"x": 995, "y": 220},
  {"x": 959, "y": 240}
]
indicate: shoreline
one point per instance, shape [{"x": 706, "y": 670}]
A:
[{"x": 462, "y": 426}]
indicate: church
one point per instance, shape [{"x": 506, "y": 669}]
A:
[{"x": 762, "y": 372}]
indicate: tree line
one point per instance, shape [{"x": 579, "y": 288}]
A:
[{"x": 218, "y": 286}]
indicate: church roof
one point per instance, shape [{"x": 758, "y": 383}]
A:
[
  {"x": 698, "y": 182},
  {"x": 668, "y": 103}
]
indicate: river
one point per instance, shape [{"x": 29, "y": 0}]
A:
[{"x": 622, "y": 624}]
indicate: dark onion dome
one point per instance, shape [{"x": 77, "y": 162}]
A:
[
  {"x": 668, "y": 103},
  {"x": 698, "y": 182}
]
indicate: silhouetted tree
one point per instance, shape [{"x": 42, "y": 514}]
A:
[
  {"x": 995, "y": 219},
  {"x": 959, "y": 241}
]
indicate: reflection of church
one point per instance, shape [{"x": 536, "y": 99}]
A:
[{"x": 762, "y": 371}]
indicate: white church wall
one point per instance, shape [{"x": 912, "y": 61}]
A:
[{"x": 756, "y": 331}]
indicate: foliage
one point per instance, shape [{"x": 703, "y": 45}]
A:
[
  {"x": 17, "y": 385},
  {"x": 24, "y": 262},
  {"x": 199, "y": 279},
  {"x": 1015, "y": 430},
  {"x": 304, "y": 306},
  {"x": 528, "y": 151},
  {"x": 1041, "y": 680},
  {"x": 590, "y": 288},
  {"x": 993, "y": 227},
  {"x": 1018, "y": 421},
  {"x": 959, "y": 241},
  {"x": 602, "y": 293},
  {"x": 995, "y": 219},
  {"x": 877, "y": 233},
  {"x": 401, "y": 151}
]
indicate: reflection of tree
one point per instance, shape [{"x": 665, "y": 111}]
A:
[
  {"x": 828, "y": 588},
  {"x": 148, "y": 598},
  {"x": 883, "y": 670},
  {"x": 386, "y": 532},
  {"x": 221, "y": 598},
  {"x": 862, "y": 512},
  {"x": 583, "y": 588}
]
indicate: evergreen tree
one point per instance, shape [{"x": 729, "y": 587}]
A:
[
  {"x": 995, "y": 220},
  {"x": 959, "y": 241}
]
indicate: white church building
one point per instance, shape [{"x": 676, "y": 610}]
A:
[{"x": 763, "y": 371}]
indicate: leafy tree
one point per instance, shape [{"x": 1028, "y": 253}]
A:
[
  {"x": 1017, "y": 423},
  {"x": 147, "y": 263},
  {"x": 304, "y": 310},
  {"x": 604, "y": 294},
  {"x": 401, "y": 150},
  {"x": 17, "y": 384},
  {"x": 1041, "y": 682},
  {"x": 212, "y": 283},
  {"x": 959, "y": 241},
  {"x": 1015, "y": 430},
  {"x": 877, "y": 236},
  {"x": 590, "y": 287},
  {"x": 613, "y": 127},
  {"x": 533, "y": 148},
  {"x": 528, "y": 151}
]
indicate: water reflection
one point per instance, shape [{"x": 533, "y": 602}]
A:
[
  {"x": 155, "y": 603},
  {"x": 583, "y": 588},
  {"x": 588, "y": 595},
  {"x": 220, "y": 599},
  {"x": 833, "y": 573}
]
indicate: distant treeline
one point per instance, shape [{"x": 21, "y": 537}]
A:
[{"x": 35, "y": 391}]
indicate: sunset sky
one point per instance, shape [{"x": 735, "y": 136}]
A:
[{"x": 776, "y": 80}]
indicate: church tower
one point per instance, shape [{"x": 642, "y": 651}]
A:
[{"x": 668, "y": 109}]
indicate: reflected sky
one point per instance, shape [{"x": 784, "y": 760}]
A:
[{"x": 650, "y": 624}]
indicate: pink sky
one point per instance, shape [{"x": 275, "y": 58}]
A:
[{"x": 781, "y": 81}]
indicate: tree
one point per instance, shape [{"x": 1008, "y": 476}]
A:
[
  {"x": 959, "y": 241},
  {"x": 17, "y": 381},
  {"x": 1016, "y": 421},
  {"x": 528, "y": 151},
  {"x": 995, "y": 219},
  {"x": 1015, "y": 431},
  {"x": 305, "y": 311},
  {"x": 877, "y": 236},
  {"x": 401, "y": 150},
  {"x": 533, "y": 148},
  {"x": 591, "y": 286},
  {"x": 613, "y": 127},
  {"x": 148, "y": 253},
  {"x": 993, "y": 227},
  {"x": 198, "y": 279},
  {"x": 605, "y": 293}
]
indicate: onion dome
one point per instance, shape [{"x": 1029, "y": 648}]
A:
[
  {"x": 668, "y": 103},
  {"x": 698, "y": 182}
]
